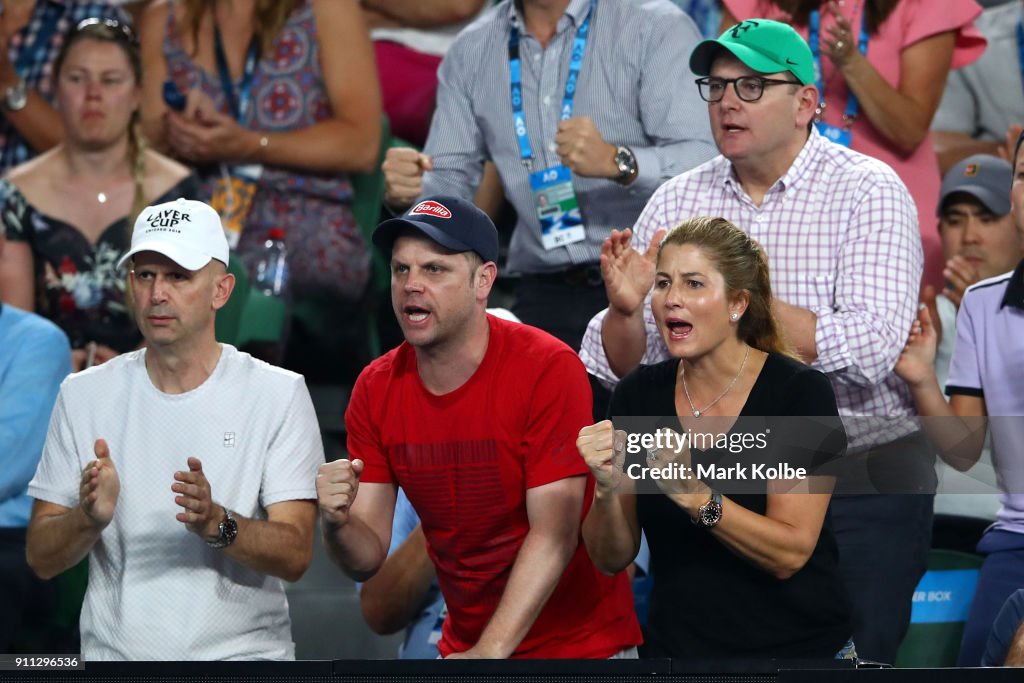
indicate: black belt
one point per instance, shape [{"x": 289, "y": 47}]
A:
[{"x": 583, "y": 275}]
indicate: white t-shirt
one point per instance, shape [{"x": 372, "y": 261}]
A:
[{"x": 156, "y": 591}]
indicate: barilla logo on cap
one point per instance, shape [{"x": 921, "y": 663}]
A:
[
  {"x": 431, "y": 208},
  {"x": 971, "y": 170}
]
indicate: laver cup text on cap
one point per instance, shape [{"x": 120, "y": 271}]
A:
[{"x": 167, "y": 219}]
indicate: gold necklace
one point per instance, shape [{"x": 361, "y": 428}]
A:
[{"x": 698, "y": 413}]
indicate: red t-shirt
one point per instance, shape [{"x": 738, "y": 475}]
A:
[{"x": 466, "y": 459}]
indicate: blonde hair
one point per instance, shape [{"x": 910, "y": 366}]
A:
[
  {"x": 270, "y": 16},
  {"x": 744, "y": 267},
  {"x": 112, "y": 31}
]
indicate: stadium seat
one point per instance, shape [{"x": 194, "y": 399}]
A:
[{"x": 941, "y": 603}]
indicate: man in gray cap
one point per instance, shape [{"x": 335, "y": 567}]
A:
[
  {"x": 476, "y": 419},
  {"x": 979, "y": 237},
  {"x": 210, "y": 503},
  {"x": 980, "y": 240}
]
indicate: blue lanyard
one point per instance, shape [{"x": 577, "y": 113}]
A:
[
  {"x": 1020, "y": 47},
  {"x": 239, "y": 104},
  {"x": 579, "y": 46},
  {"x": 812, "y": 37}
]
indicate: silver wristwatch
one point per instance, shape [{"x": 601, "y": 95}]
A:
[
  {"x": 16, "y": 96},
  {"x": 228, "y": 531},
  {"x": 625, "y": 160},
  {"x": 709, "y": 514}
]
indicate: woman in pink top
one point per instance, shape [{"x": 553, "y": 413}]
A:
[{"x": 911, "y": 46}]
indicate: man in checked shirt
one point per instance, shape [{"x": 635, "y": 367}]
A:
[{"x": 840, "y": 231}]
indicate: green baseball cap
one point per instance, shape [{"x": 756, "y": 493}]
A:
[{"x": 764, "y": 45}]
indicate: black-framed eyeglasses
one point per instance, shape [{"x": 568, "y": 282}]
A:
[
  {"x": 748, "y": 88},
  {"x": 116, "y": 27}
]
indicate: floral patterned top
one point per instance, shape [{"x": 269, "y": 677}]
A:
[
  {"x": 326, "y": 251},
  {"x": 78, "y": 285}
]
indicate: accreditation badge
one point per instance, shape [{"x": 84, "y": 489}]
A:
[
  {"x": 840, "y": 136},
  {"x": 232, "y": 198},
  {"x": 558, "y": 210}
]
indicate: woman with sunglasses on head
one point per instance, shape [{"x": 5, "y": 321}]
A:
[
  {"x": 69, "y": 212},
  {"x": 275, "y": 102},
  {"x": 743, "y": 560},
  {"x": 31, "y": 33}
]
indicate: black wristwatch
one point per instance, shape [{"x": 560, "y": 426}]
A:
[
  {"x": 228, "y": 531},
  {"x": 625, "y": 160},
  {"x": 710, "y": 513}
]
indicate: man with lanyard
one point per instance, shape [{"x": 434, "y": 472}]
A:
[
  {"x": 584, "y": 108},
  {"x": 840, "y": 231}
]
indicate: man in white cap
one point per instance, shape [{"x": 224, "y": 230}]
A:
[{"x": 185, "y": 470}]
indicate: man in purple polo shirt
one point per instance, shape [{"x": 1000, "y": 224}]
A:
[{"x": 984, "y": 381}]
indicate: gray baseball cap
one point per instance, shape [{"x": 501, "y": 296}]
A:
[{"x": 985, "y": 177}]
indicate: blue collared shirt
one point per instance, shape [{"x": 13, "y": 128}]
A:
[{"x": 635, "y": 84}]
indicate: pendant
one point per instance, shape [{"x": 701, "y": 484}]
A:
[{"x": 696, "y": 413}]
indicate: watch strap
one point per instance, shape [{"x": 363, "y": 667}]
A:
[
  {"x": 710, "y": 513},
  {"x": 228, "y": 530}
]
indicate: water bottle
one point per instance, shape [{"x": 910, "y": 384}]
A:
[
  {"x": 271, "y": 276},
  {"x": 270, "y": 305}
]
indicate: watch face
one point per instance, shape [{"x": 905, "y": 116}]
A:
[
  {"x": 710, "y": 513},
  {"x": 622, "y": 160},
  {"x": 16, "y": 97},
  {"x": 228, "y": 530}
]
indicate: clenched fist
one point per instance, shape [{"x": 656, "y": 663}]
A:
[
  {"x": 403, "y": 169},
  {"x": 584, "y": 151},
  {"x": 336, "y": 486},
  {"x": 603, "y": 448}
]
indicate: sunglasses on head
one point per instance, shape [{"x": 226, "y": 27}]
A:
[{"x": 113, "y": 26}]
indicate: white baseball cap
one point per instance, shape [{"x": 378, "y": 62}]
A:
[{"x": 186, "y": 231}]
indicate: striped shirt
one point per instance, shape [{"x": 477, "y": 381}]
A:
[
  {"x": 840, "y": 231},
  {"x": 33, "y": 50},
  {"x": 635, "y": 84}
]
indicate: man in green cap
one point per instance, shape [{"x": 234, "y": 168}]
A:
[{"x": 840, "y": 231}]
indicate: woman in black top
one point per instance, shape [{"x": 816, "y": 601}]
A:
[{"x": 753, "y": 572}]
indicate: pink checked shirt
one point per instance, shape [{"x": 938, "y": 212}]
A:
[{"x": 841, "y": 234}]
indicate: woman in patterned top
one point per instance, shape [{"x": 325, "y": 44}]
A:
[
  {"x": 68, "y": 213},
  {"x": 280, "y": 103}
]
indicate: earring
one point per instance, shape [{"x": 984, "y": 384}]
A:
[{"x": 734, "y": 317}]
